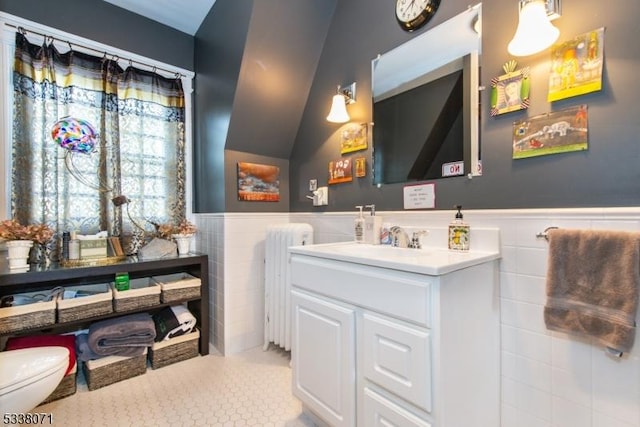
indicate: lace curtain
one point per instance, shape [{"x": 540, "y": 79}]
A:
[{"x": 139, "y": 152}]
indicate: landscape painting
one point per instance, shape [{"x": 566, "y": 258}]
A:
[{"x": 258, "y": 183}]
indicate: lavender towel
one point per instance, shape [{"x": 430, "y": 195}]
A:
[{"x": 593, "y": 281}]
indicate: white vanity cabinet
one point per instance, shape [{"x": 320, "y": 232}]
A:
[
  {"x": 324, "y": 342},
  {"x": 380, "y": 346}
]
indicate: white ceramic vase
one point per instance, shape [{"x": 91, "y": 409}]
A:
[
  {"x": 183, "y": 241},
  {"x": 18, "y": 251}
]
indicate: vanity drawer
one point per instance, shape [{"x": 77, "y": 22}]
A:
[
  {"x": 397, "y": 357},
  {"x": 381, "y": 412},
  {"x": 395, "y": 293}
]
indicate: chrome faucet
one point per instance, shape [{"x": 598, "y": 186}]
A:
[
  {"x": 416, "y": 242},
  {"x": 400, "y": 238}
]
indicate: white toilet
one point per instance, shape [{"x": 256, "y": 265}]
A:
[{"x": 28, "y": 376}]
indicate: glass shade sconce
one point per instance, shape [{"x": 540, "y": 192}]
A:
[
  {"x": 345, "y": 95},
  {"x": 535, "y": 31}
]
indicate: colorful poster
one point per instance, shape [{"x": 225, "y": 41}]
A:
[
  {"x": 576, "y": 66},
  {"x": 354, "y": 138},
  {"x": 340, "y": 171},
  {"x": 551, "y": 133},
  {"x": 258, "y": 183}
]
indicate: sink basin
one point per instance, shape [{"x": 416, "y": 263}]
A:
[
  {"x": 377, "y": 251},
  {"x": 432, "y": 261}
]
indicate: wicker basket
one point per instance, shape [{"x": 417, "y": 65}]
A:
[
  {"x": 174, "y": 350},
  {"x": 112, "y": 369},
  {"x": 143, "y": 292},
  {"x": 98, "y": 303},
  {"x": 178, "y": 287},
  {"x": 29, "y": 316},
  {"x": 67, "y": 387}
]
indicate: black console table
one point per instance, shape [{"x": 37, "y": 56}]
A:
[{"x": 50, "y": 276}]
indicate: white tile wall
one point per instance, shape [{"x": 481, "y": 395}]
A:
[
  {"x": 235, "y": 245},
  {"x": 548, "y": 379}
]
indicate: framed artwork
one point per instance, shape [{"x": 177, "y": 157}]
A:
[
  {"x": 551, "y": 133},
  {"x": 258, "y": 183},
  {"x": 576, "y": 66},
  {"x": 355, "y": 138},
  {"x": 361, "y": 167},
  {"x": 510, "y": 92},
  {"x": 340, "y": 171}
]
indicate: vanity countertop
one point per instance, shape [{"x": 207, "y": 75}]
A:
[{"x": 429, "y": 261}]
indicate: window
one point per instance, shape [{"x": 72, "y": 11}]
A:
[{"x": 142, "y": 166}]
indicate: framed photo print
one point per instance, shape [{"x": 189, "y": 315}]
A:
[{"x": 510, "y": 92}]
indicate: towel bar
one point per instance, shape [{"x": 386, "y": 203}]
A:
[{"x": 543, "y": 235}]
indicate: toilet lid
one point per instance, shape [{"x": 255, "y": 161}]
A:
[{"x": 18, "y": 367}]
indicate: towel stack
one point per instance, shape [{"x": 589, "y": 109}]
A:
[{"x": 127, "y": 336}]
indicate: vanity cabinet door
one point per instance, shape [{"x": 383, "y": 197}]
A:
[{"x": 323, "y": 358}]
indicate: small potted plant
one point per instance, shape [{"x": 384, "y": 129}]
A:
[
  {"x": 21, "y": 238},
  {"x": 181, "y": 233}
]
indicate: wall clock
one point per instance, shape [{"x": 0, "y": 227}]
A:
[{"x": 413, "y": 14}]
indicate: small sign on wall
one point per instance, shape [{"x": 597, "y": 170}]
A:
[
  {"x": 420, "y": 196},
  {"x": 453, "y": 169}
]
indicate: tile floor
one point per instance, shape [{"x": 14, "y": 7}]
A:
[{"x": 249, "y": 389}]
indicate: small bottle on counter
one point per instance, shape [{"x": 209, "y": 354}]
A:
[
  {"x": 66, "y": 236},
  {"x": 359, "y": 227},
  {"x": 74, "y": 246},
  {"x": 372, "y": 226},
  {"x": 459, "y": 232}
]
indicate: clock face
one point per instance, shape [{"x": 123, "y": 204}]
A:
[{"x": 413, "y": 14}]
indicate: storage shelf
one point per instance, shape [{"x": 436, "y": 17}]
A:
[{"x": 55, "y": 275}]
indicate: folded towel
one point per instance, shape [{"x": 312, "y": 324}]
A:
[
  {"x": 107, "y": 337},
  {"x": 593, "y": 281},
  {"x": 68, "y": 341},
  {"x": 172, "y": 322},
  {"x": 85, "y": 354}
]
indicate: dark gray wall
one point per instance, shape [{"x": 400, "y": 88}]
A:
[
  {"x": 255, "y": 62},
  {"x": 605, "y": 175},
  {"x": 219, "y": 48},
  {"x": 105, "y": 23}
]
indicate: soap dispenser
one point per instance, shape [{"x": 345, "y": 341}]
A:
[
  {"x": 459, "y": 232},
  {"x": 372, "y": 227},
  {"x": 358, "y": 231}
]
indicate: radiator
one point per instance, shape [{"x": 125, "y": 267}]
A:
[{"x": 277, "y": 286}]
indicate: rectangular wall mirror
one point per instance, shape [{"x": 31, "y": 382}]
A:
[{"x": 426, "y": 104}]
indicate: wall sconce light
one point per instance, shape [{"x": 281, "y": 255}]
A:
[
  {"x": 346, "y": 95},
  {"x": 535, "y": 31}
]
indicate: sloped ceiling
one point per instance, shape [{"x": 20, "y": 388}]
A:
[
  {"x": 282, "y": 50},
  {"x": 183, "y": 15}
]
